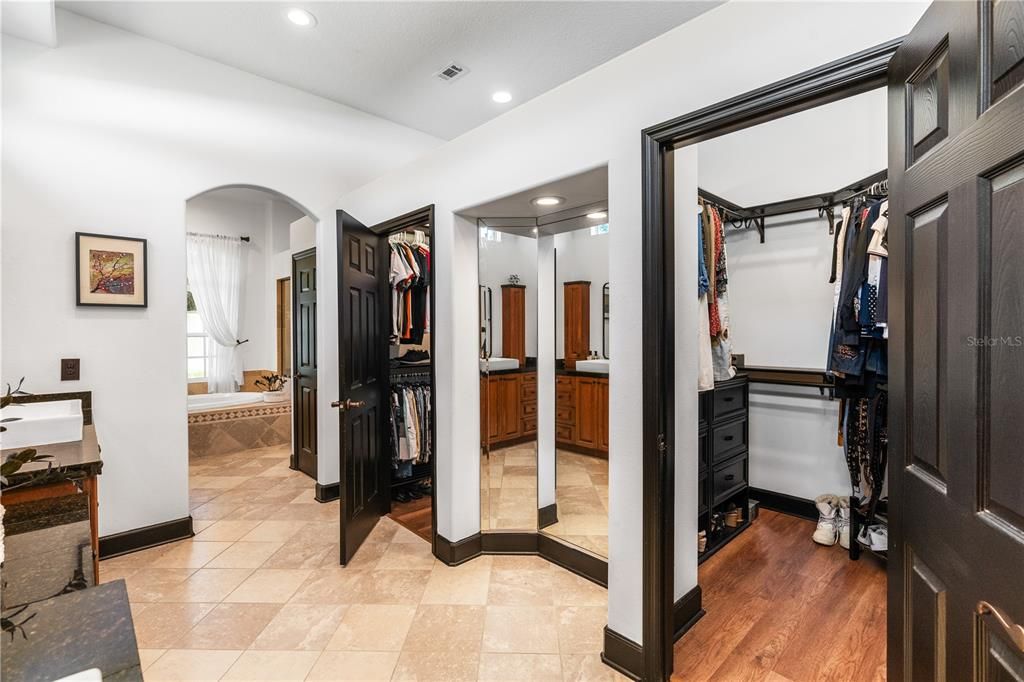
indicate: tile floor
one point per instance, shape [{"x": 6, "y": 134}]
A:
[
  {"x": 508, "y": 495},
  {"x": 257, "y": 595}
]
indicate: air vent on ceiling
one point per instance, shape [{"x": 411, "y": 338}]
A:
[{"x": 451, "y": 72}]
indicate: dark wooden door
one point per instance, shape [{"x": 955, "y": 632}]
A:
[
  {"x": 304, "y": 359},
  {"x": 956, "y": 264},
  {"x": 362, "y": 326}
]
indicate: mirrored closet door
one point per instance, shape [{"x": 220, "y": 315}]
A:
[
  {"x": 573, "y": 503},
  {"x": 508, "y": 378}
]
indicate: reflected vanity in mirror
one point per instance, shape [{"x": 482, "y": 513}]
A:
[
  {"x": 577, "y": 512},
  {"x": 508, "y": 380},
  {"x": 543, "y": 351}
]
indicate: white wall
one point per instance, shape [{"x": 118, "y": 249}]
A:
[
  {"x": 563, "y": 133},
  {"x": 581, "y": 256},
  {"x": 112, "y": 133},
  {"x": 516, "y": 255}
]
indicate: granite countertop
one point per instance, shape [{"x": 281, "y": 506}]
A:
[
  {"x": 80, "y": 455},
  {"x": 91, "y": 628},
  {"x": 580, "y": 373}
]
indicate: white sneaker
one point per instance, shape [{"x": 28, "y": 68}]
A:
[
  {"x": 879, "y": 538},
  {"x": 827, "y": 531},
  {"x": 843, "y": 522}
]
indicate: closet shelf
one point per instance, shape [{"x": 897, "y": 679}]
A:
[
  {"x": 753, "y": 216},
  {"x": 789, "y": 376}
]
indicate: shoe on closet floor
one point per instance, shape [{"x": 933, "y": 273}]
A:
[
  {"x": 827, "y": 531},
  {"x": 879, "y": 536},
  {"x": 843, "y": 522}
]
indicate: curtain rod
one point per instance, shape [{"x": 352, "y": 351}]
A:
[{"x": 217, "y": 236}]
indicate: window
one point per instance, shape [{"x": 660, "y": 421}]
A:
[{"x": 199, "y": 350}]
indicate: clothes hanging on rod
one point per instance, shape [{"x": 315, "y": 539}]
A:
[
  {"x": 410, "y": 425},
  {"x": 715, "y": 347},
  {"x": 410, "y": 287},
  {"x": 858, "y": 344}
]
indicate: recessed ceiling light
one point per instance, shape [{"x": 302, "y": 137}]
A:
[
  {"x": 547, "y": 201},
  {"x": 502, "y": 97},
  {"x": 301, "y": 17},
  {"x": 597, "y": 215}
]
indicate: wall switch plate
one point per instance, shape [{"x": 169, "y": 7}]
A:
[{"x": 70, "y": 369}]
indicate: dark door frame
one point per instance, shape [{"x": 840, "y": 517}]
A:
[
  {"x": 852, "y": 75},
  {"x": 388, "y": 227}
]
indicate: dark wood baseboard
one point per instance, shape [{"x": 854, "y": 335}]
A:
[
  {"x": 293, "y": 462},
  {"x": 583, "y": 564},
  {"x": 686, "y": 612},
  {"x": 787, "y": 504},
  {"x": 623, "y": 654},
  {"x": 143, "y": 538},
  {"x": 328, "y": 493},
  {"x": 455, "y": 553},
  {"x": 580, "y": 562},
  {"x": 547, "y": 516},
  {"x": 501, "y": 542}
]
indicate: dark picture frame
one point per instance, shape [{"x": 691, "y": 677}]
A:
[{"x": 123, "y": 283}]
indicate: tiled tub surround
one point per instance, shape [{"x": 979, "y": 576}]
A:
[
  {"x": 237, "y": 429},
  {"x": 257, "y": 594}
]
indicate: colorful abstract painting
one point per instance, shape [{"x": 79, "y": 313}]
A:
[{"x": 111, "y": 272}]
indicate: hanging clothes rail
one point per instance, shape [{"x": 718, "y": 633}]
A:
[{"x": 745, "y": 217}]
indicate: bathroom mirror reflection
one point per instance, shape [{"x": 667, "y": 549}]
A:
[
  {"x": 578, "y": 511},
  {"x": 508, "y": 378}
]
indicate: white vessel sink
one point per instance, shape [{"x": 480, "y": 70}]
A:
[
  {"x": 31, "y": 424},
  {"x": 498, "y": 364},
  {"x": 597, "y": 366}
]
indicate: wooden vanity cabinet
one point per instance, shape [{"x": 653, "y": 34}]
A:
[
  {"x": 581, "y": 413},
  {"x": 508, "y": 407}
]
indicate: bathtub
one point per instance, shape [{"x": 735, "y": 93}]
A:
[
  {"x": 225, "y": 423},
  {"x": 218, "y": 401}
]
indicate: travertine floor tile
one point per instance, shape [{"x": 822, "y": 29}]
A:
[
  {"x": 446, "y": 628},
  {"x": 207, "y": 585},
  {"x": 191, "y": 665},
  {"x": 245, "y": 555},
  {"x": 437, "y": 665},
  {"x": 267, "y": 666},
  {"x": 520, "y": 629},
  {"x": 373, "y": 627},
  {"x": 519, "y": 667},
  {"x": 229, "y": 626},
  {"x": 269, "y": 585},
  {"x": 158, "y": 626},
  {"x": 457, "y": 586},
  {"x": 190, "y": 554},
  {"x": 301, "y": 626},
  {"x": 361, "y": 666}
]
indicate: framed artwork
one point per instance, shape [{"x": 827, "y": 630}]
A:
[{"x": 110, "y": 271}]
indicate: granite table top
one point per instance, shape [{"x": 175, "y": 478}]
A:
[
  {"x": 80, "y": 455},
  {"x": 91, "y": 628}
]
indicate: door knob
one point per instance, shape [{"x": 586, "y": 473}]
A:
[
  {"x": 348, "y": 404},
  {"x": 1013, "y": 631}
]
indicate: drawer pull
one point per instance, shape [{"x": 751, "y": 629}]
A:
[
  {"x": 730, "y": 477},
  {"x": 727, "y": 438},
  {"x": 728, "y": 399}
]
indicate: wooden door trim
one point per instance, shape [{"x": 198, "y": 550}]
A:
[
  {"x": 851, "y": 75},
  {"x": 419, "y": 216}
]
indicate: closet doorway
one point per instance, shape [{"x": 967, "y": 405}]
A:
[
  {"x": 954, "y": 170},
  {"x": 386, "y": 397}
]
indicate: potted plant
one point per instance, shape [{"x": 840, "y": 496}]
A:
[{"x": 272, "y": 387}]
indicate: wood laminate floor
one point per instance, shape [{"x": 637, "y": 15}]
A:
[
  {"x": 783, "y": 609},
  {"x": 415, "y": 515}
]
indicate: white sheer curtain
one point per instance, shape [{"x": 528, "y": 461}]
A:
[{"x": 215, "y": 280}]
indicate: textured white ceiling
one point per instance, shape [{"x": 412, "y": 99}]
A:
[
  {"x": 381, "y": 56},
  {"x": 582, "y": 189}
]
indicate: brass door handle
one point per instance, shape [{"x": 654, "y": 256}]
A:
[
  {"x": 1013, "y": 631},
  {"x": 348, "y": 404}
]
